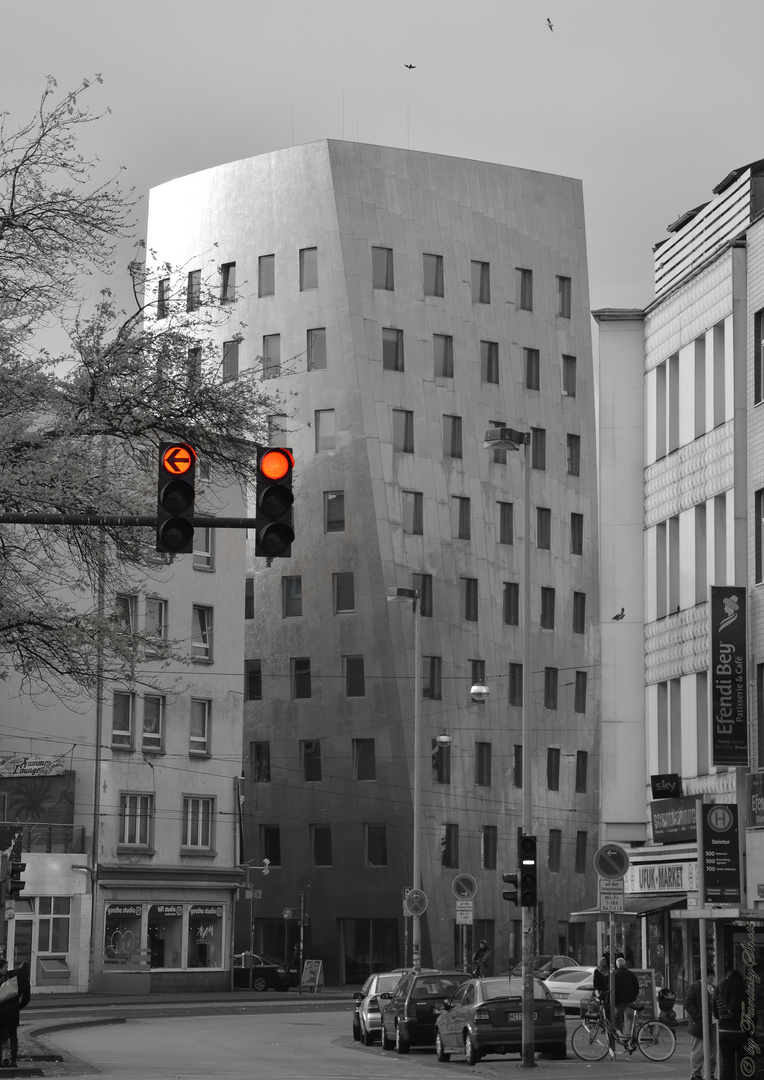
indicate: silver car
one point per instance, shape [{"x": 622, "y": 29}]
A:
[
  {"x": 571, "y": 985},
  {"x": 367, "y": 1022}
]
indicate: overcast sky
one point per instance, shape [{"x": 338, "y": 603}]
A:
[{"x": 651, "y": 103}]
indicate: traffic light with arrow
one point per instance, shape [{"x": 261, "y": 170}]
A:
[{"x": 175, "y": 498}]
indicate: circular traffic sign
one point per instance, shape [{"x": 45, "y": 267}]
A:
[
  {"x": 464, "y": 887},
  {"x": 178, "y": 459},
  {"x": 416, "y": 902},
  {"x": 611, "y": 861}
]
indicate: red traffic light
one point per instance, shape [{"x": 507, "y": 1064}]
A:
[{"x": 275, "y": 464}]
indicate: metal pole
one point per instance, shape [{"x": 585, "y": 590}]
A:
[
  {"x": 250, "y": 887},
  {"x": 529, "y": 1057},
  {"x": 416, "y": 926}
]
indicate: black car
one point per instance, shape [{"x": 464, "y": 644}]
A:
[
  {"x": 410, "y": 1011},
  {"x": 267, "y": 972}
]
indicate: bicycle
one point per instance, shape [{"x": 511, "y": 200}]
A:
[{"x": 596, "y": 1037}]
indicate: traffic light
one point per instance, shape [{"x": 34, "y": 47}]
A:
[
  {"x": 274, "y": 499},
  {"x": 175, "y": 498},
  {"x": 15, "y": 884},
  {"x": 528, "y": 868},
  {"x": 511, "y": 895}
]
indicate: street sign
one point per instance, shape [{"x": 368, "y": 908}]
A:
[
  {"x": 464, "y": 918},
  {"x": 464, "y": 887},
  {"x": 610, "y": 894},
  {"x": 416, "y": 902},
  {"x": 720, "y": 853},
  {"x": 611, "y": 861},
  {"x": 464, "y": 905}
]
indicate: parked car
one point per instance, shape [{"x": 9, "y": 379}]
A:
[
  {"x": 410, "y": 1011},
  {"x": 367, "y": 1017},
  {"x": 485, "y": 1016},
  {"x": 571, "y": 986},
  {"x": 268, "y": 973},
  {"x": 545, "y": 965}
]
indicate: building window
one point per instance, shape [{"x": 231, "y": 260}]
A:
[
  {"x": 538, "y": 448},
  {"x": 569, "y": 376},
  {"x": 135, "y": 820},
  {"x": 532, "y": 369},
  {"x": 524, "y": 281},
  {"x": 270, "y": 843},
  {"x": 413, "y": 512},
  {"x": 291, "y": 596},
  {"x": 450, "y": 847},
  {"x": 382, "y": 268},
  {"x": 443, "y": 355},
  {"x": 122, "y": 720},
  {"x": 547, "y": 608},
  {"x": 271, "y": 356},
  {"x": 550, "y": 687},
  {"x": 553, "y": 768},
  {"x": 483, "y": 764},
  {"x": 308, "y": 269},
  {"x": 431, "y": 678},
  {"x": 375, "y": 844},
  {"x": 515, "y": 689},
  {"x": 228, "y": 283},
  {"x": 364, "y": 759},
  {"x": 506, "y": 522},
  {"x": 452, "y": 436},
  {"x": 441, "y": 763},
  {"x": 481, "y": 282},
  {"x": 253, "y": 680},
  {"x": 163, "y": 298},
  {"x": 582, "y": 765},
  {"x": 260, "y": 762},
  {"x": 489, "y": 362},
  {"x": 249, "y": 598},
  {"x": 203, "y": 555},
  {"x": 423, "y": 585},
  {"x": 326, "y": 434},
  {"x": 230, "y": 360},
  {"x": 392, "y": 349},
  {"x": 300, "y": 676},
  {"x": 317, "y": 348},
  {"x": 321, "y": 844},
  {"x": 574, "y": 455},
  {"x": 433, "y": 275},
  {"x": 460, "y": 517},
  {"x": 576, "y": 534},
  {"x": 490, "y": 844},
  {"x": 199, "y": 727},
  {"x": 334, "y": 511},
  {"x": 543, "y": 528},
  {"x": 266, "y": 275},
  {"x": 153, "y": 722},
  {"x": 468, "y": 589},
  {"x": 310, "y": 752},
  {"x": 579, "y": 612},
  {"x": 201, "y": 632},
  {"x": 403, "y": 431},
  {"x": 353, "y": 674},
  {"x": 579, "y": 703},
  {"x": 194, "y": 290},
  {"x": 197, "y": 822},
  {"x": 580, "y": 865},
  {"x": 155, "y": 624},
  {"x": 555, "y": 848},
  {"x": 53, "y": 924},
  {"x": 125, "y": 612},
  {"x": 511, "y": 603},
  {"x": 343, "y": 591},
  {"x": 517, "y": 766},
  {"x": 563, "y": 297}
]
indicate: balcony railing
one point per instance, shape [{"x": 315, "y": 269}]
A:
[{"x": 38, "y": 836}]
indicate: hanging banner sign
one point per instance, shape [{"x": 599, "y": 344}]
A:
[{"x": 729, "y": 690}]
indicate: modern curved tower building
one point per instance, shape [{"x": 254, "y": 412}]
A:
[{"x": 404, "y": 303}]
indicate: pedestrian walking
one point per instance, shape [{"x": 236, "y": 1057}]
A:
[
  {"x": 481, "y": 958},
  {"x": 693, "y": 1007}
]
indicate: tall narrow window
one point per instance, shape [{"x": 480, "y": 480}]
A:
[
  {"x": 375, "y": 843},
  {"x": 443, "y": 355},
  {"x": 126, "y": 612},
  {"x": 582, "y": 768},
  {"x": 490, "y": 844},
  {"x": 506, "y": 522},
  {"x": 538, "y": 448},
  {"x": 412, "y": 503},
  {"x": 563, "y": 297},
  {"x": 321, "y": 842},
  {"x": 194, "y": 290},
  {"x": 450, "y": 847},
  {"x": 517, "y": 766},
  {"x": 579, "y": 701},
  {"x": 203, "y": 548},
  {"x": 403, "y": 431},
  {"x": 469, "y": 598},
  {"x": 343, "y": 589},
  {"x": 515, "y": 689},
  {"x": 431, "y": 677},
  {"x": 270, "y": 843},
  {"x": 551, "y": 679},
  {"x": 194, "y": 365},
  {"x": 576, "y": 534},
  {"x": 759, "y": 535},
  {"x": 317, "y": 349},
  {"x": 532, "y": 369},
  {"x": 291, "y": 596},
  {"x": 271, "y": 356},
  {"x": 260, "y": 762},
  {"x": 153, "y": 722},
  {"x": 758, "y": 356},
  {"x": 423, "y": 585},
  {"x": 228, "y": 283},
  {"x": 300, "y": 676},
  {"x": 524, "y": 289},
  {"x": 199, "y": 727},
  {"x": 452, "y": 436},
  {"x": 353, "y": 672},
  {"x": 511, "y": 603},
  {"x": 543, "y": 528},
  {"x": 574, "y": 455},
  {"x": 364, "y": 760},
  {"x": 555, "y": 850},
  {"x": 382, "y": 268},
  {"x": 580, "y": 866},
  {"x": 308, "y": 269},
  {"x": 460, "y": 517},
  {"x": 136, "y": 817},
  {"x": 326, "y": 434},
  {"x": 483, "y": 764},
  {"x": 547, "y": 608},
  {"x": 253, "y": 680},
  {"x": 122, "y": 720},
  {"x": 334, "y": 511},
  {"x": 553, "y": 768},
  {"x": 266, "y": 275},
  {"x": 198, "y": 817},
  {"x": 155, "y": 624},
  {"x": 392, "y": 349},
  {"x": 310, "y": 751},
  {"x": 163, "y": 298},
  {"x": 579, "y": 612},
  {"x": 249, "y": 598},
  {"x": 481, "y": 282},
  {"x": 489, "y": 361},
  {"x": 569, "y": 376},
  {"x": 433, "y": 275},
  {"x": 230, "y": 360},
  {"x": 201, "y": 632},
  {"x": 441, "y": 763}
]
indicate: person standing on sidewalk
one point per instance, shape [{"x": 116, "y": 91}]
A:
[
  {"x": 9, "y": 1013},
  {"x": 626, "y": 992},
  {"x": 693, "y": 1007}
]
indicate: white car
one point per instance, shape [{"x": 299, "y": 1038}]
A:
[{"x": 571, "y": 986}]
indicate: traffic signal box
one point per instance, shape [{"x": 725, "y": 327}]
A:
[
  {"x": 528, "y": 871},
  {"x": 274, "y": 530},
  {"x": 15, "y": 884},
  {"x": 511, "y": 894},
  {"x": 175, "y": 498}
]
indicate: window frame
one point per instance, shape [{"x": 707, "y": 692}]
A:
[
  {"x": 354, "y": 675},
  {"x": 314, "y": 334},
  {"x": 194, "y": 290},
  {"x": 569, "y": 375},
  {"x": 392, "y": 349},
  {"x": 483, "y": 763},
  {"x": 339, "y": 592},
  {"x": 198, "y": 823},
  {"x": 524, "y": 282},
  {"x": 433, "y": 278},
  {"x": 329, "y": 520},
  {"x": 579, "y": 612},
  {"x": 199, "y": 745},
  {"x": 230, "y": 362},
  {"x": 453, "y": 444},
  {"x": 201, "y": 648},
  {"x": 253, "y": 679},
  {"x": 321, "y": 845},
  {"x": 510, "y": 603},
  {"x": 532, "y": 368},
  {"x": 468, "y": 599},
  {"x": 228, "y": 283},
  {"x": 548, "y": 603},
  {"x": 365, "y": 760},
  {"x": 375, "y": 843},
  {"x": 300, "y": 678},
  {"x": 480, "y": 281},
  {"x": 163, "y": 298},
  {"x": 403, "y": 438},
  {"x": 412, "y": 512},
  {"x": 432, "y": 677},
  {"x": 324, "y": 438},
  {"x": 271, "y": 357},
  {"x": 443, "y": 356},
  {"x": 266, "y": 275},
  {"x": 291, "y": 596},
  {"x": 506, "y": 522},
  {"x": 204, "y": 553},
  {"x": 573, "y": 454},
  {"x": 382, "y": 277},
  {"x": 136, "y": 818},
  {"x": 489, "y": 362},
  {"x": 564, "y": 296},
  {"x": 576, "y": 533},
  {"x": 152, "y": 742},
  {"x": 310, "y": 761},
  {"x": 308, "y": 269},
  {"x": 123, "y": 738},
  {"x": 260, "y": 761}
]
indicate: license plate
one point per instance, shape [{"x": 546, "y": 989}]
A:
[
  {"x": 561, "y": 997},
  {"x": 517, "y": 1016}
]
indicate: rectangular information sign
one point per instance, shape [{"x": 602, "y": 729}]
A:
[
  {"x": 729, "y": 690},
  {"x": 721, "y": 853}
]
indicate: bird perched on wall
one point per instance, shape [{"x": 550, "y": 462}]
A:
[
  {"x": 621, "y": 614},
  {"x": 549, "y": 24},
  {"x": 410, "y": 66}
]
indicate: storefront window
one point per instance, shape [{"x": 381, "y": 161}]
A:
[
  {"x": 122, "y": 935},
  {"x": 205, "y": 936},
  {"x": 165, "y": 935}
]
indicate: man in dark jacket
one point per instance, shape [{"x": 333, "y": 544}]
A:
[
  {"x": 9, "y": 1014},
  {"x": 626, "y": 992},
  {"x": 693, "y": 1007}
]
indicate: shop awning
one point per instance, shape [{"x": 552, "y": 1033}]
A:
[{"x": 633, "y": 906}]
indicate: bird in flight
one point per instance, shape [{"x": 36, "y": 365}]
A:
[
  {"x": 621, "y": 614},
  {"x": 410, "y": 66},
  {"x": 549, "y": 24}
]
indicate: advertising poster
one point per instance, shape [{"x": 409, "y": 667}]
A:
[{"x": 727, "y": 667}]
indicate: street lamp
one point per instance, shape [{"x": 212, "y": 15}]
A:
[
  {"x": 504, "y": 438},
  {"x": 416, "y": 926}
]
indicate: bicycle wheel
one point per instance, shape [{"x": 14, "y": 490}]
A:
[
  {"x": 590, "y": 1043},
  {"x": 656, "y": 1040}
]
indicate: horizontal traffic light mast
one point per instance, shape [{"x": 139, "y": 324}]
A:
[{"x": 203, "y": 521}]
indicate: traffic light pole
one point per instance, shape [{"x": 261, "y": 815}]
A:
[
  {"x": 122, "y": 519},
  {"x": 529, "y": 1054}
]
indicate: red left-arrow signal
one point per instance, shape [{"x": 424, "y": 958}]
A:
[{"x": 178, "y": 459}]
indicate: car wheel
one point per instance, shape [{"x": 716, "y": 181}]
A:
[
  {"x": 259, "y": 983},
  {"x": 471, "y": 1055},
  {"x": 356, "y": 1030},
  {"x": 402, "y": 1045},
  {"x": 440, "y": 1053},
  {"x": 366, "y": 1036}
]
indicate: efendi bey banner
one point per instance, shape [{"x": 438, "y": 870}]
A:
[{"x": 729, "y": 684}]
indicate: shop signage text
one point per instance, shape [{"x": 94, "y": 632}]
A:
[
  {"x": 755, "y": 799},
  {"x": 673, "y": 820},
  {"x": 666, "y": 786},
  {"x": 662, "y": 877},
  {"x": 729, "y": 690}
]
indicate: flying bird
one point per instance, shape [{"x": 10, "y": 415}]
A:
[
  {"x": 621, "y": 614},
  {"x": 410, "y": 66},
  {"x": 549, "y": 24}
]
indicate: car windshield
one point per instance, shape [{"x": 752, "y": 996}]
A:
[
  {"x": 270, "y": 960},
  {"x": 503, "y": 987},
  {"x": 439, "y": 986},
  {"x": 387, "y": 983}
]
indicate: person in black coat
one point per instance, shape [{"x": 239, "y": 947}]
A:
[
  {"x": 693, "y": 1007},
  {"x": 626, "y": 991},
  {"x": 728, "y": 1009},
  {"x": 9, "y": 1014}
]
